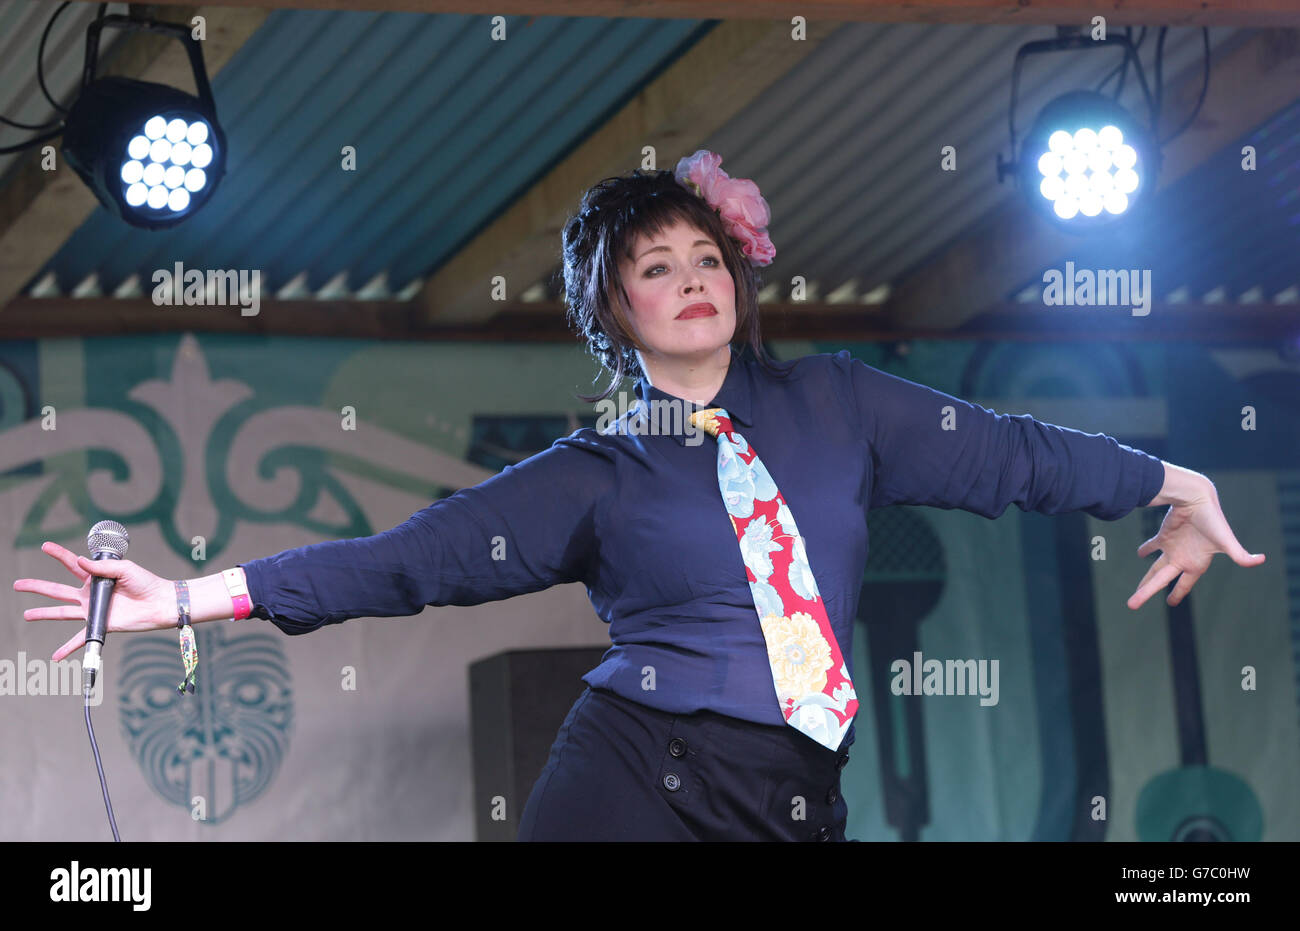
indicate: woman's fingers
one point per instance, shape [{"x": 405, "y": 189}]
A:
[
  {"x": 62, "y": 613},
  {"x": 54, "y": 590},
  {"x": 1183, "y": 587},
  {"x": 72, "y": 646},
  {"x": 65, "y": 556},
  {"x": 49, "y": 589},
  {"x": 115, "y": 568},
  {"x": 1220, "y": 535},
  {"x": 1237, "y": 553},
  {"x": 1149, "y": 546},
  {"x": 1152, "y": 584},
  {"x": 1154, "y": 568}
]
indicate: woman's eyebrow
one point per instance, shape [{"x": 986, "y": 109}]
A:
[{"x": 698, "y": 242}]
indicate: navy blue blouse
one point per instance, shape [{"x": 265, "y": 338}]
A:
[{"x": 639, "y": 520}]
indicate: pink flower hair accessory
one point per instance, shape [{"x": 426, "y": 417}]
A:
[{"x": 743, "y": 210}]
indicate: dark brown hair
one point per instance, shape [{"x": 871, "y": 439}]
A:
[{"x": 612, "y": 214}]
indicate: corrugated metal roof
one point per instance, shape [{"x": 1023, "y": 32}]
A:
[
  {"x": 450, "y": 127},
  {"x": 848, "y": 145}
]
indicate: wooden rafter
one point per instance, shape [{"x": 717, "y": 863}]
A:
[
  {"x": 1259, "y": 13},
  {"x": 39, "y": 318}
]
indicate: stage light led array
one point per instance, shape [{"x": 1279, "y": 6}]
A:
[{"x": 1087, "y": 171}]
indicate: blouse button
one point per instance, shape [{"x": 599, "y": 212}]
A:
[
  {"x": 671, "y": 782},
  {"x": 677, "y": 747}
]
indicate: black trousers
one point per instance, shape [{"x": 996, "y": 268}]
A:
[{"x": 619, "y": 770}]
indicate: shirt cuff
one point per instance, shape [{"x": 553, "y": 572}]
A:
[{"x": 253, "y": 578}]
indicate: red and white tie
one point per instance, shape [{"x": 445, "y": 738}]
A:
[{"x": 811, "y": 678}]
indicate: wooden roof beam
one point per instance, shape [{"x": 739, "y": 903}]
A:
[{"x": 1257, "y": 13}]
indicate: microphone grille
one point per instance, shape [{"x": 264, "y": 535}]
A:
[{"x": 107, "y": 536}]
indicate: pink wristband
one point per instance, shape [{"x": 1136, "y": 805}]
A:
[{"x": 241, "y": 604}]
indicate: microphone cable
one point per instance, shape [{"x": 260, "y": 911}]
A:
[{"x": 100, "y": 766}]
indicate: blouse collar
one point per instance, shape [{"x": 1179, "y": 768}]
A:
[{"x": 735, "y": 394}]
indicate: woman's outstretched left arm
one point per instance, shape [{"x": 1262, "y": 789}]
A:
[{"x": 931, "y": 448}]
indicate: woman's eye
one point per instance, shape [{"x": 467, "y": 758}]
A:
[{"x": 714, "y": 259}]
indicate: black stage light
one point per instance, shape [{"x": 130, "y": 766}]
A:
[
  {"x": 1088, "y": 163},
  {"x": 1086, "y": 160},
  {"x": 152, "y": 154}
]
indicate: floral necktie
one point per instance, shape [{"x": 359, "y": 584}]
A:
[{"x": 812, "y": 681}]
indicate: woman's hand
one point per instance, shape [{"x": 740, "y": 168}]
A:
[
  {"x": 1189, "y": 537},
  {"x": 141, "y": 600}
]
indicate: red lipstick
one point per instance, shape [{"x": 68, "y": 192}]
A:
[{"x": 698, "y": 310}]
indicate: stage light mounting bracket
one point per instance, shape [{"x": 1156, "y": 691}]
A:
[
  {"x": 176, "y": 30},
  {"x": 1068, "y": 43}
]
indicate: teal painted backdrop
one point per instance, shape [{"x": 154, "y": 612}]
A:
[{"x": 1111, "y": 724}]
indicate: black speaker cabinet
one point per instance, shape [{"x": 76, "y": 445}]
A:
[{"x": 517, "y": 702}]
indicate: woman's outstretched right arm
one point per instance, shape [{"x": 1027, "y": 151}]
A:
[{"x": 527, "y": 528}]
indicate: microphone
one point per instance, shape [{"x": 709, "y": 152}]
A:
[{"x": 106, "y": 540}]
